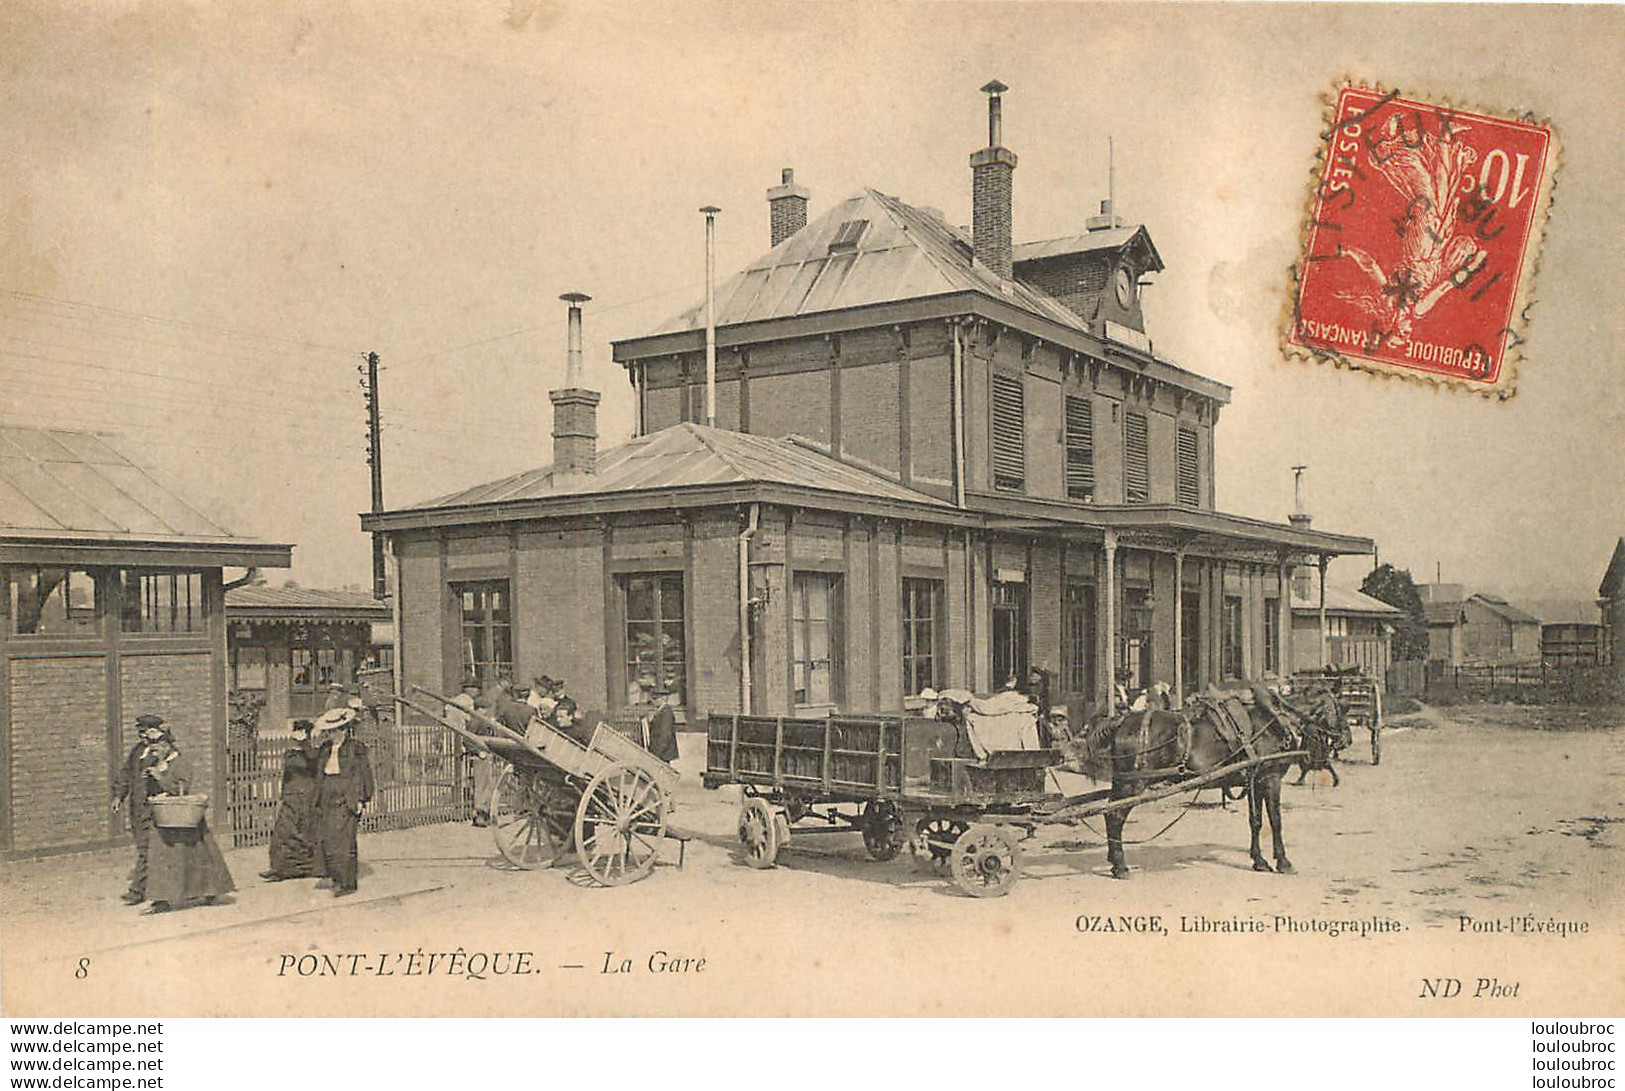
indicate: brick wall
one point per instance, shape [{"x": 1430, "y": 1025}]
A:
[
  {"x": 713, "y": 605},
  {"x": 662, "y": 408},
  {"x": 931, "y": 421},
  {"x": 889, "y": 650},
  {"x": 1044, "y": 606},
  {"x": 560, "y": 603},
  {"x": 60, "y": 786},
  {"x": 419, "y": 645},
  {"x": 793, "y": 403},
  {"x": 177, "y": 688},
  {"x": 871, "y": 414},
  {"x": 860, "y": 596}
]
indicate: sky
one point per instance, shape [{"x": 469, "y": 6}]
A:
[{"x": 213, "y": 211}]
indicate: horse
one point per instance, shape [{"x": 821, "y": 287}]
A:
[{"x": 1152, "y": 747}]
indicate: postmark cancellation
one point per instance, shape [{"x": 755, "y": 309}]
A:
[{"x": 1422, "y": 239}]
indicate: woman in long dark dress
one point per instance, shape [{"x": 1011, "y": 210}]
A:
[
  {"x": 184, "y": 865},
  {"x": 294, "y": 837}
]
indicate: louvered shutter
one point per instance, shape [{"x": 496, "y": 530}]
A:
[
  {"x": 1187, "y": 483},
  {"x": 1136, "y": 458},
  {"x": 1080, "y": 448},
  {"x": 1009, "y": 432}
]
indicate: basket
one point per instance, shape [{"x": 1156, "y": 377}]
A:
[{"x": 179, "y": 812}]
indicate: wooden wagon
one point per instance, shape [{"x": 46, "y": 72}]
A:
[
  {"x": 880, "y": 776},
  {"x": 607, "y": 799}
]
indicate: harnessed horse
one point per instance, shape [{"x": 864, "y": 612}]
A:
[{"x": 1157, "y": 747}]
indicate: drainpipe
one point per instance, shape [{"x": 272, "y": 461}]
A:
[
  {"x": 956, "y": 328},
  {"x": 247, "y": 578},
  {"x": 745, "y": 537}
]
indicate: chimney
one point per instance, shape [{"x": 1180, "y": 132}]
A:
[
  {"x": 575, "y": 409},
  {"x": 992, "y": 171},
  {"x": 1298, "y": 518},
  {"x": 786, "y": 207}
]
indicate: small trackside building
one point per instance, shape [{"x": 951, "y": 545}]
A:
[
  {"x": 932, "y": 459},
  {"x": 111, "y": 605},
  {"x": 291, "y": 645}
]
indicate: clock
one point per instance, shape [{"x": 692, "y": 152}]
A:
[{"x": 1125, "y": 287}]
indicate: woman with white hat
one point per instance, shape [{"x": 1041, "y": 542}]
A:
[{"x": 345, "y": 788}]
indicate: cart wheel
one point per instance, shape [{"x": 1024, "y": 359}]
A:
[
  {"x": 882, "y": 829},
  {"x": 934, "y": 840},
  {"x": 759, "y": 826},
  {"x": 986, "y": 862},
  {"x": 619, "y": 825},
  {"x": 519, "y": 822}
]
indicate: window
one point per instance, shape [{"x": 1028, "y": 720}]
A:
[
  {"x": 1272, "y": 634},
  {"x": 1009, "y": 632},
  {"x": 53, "y": 602},
  {"x": 1080, "y": 448},
  {"x": 327, "y": 666},
  {"x": 486, "y": 622},
  {"x": 301, "y": 674},
  {"x": 1136, "y": 663},
  {"x": 1009, "y": 432},
  {"x": 1230, "y": 644},
  {"x": 922, "y": 614},
  {"x": 1136, "y": 458},
  {"x": 1191, "y": 668},
  {"x": 1188, "y": 479},
  {"x": 162, "y": 602},
  {"x": 248, "y": 668},
  {"x": 815, "y": 624},
  {"x": 653, "y": 608},
  {"x": 1078, "y": 638}
]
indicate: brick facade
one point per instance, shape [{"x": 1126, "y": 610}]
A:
[{"x": 67, "y": 714}]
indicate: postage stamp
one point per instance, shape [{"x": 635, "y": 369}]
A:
[{"x": 1422, "y": 240}]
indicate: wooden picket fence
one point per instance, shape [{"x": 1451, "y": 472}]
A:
[
  {"x": 1535, "y": 683},
  {"x": 420, "y": 773}
]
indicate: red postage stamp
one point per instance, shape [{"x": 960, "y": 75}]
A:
[{"x": 1421, "y": 243}]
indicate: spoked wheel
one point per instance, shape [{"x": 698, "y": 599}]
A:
[
  {"x": 936, "y": 836},
  {"x": 519, "y": 821},
  {"x": 986, "y": 862},
  {"x": 619, "y": 825},
  {"x": 759, "y": 828},
  {"x": 882, "y": 829}
]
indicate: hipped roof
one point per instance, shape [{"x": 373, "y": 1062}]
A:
[
  {"x": 686, "y": 457},
  {"x": 78, "y": 488},
  {"x": 874, "y": 250}
]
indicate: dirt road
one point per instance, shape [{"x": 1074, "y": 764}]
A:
[{"x": 1485, "y": 848}]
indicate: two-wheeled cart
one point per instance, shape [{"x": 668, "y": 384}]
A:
[
  {"x": 880, "y": 776},
  {"x": 607, "y": 799}
]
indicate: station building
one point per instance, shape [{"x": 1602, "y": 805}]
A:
[{"x": 932, "y": 458}]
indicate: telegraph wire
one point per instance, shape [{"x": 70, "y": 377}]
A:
[{"x": 180, "y": 322}]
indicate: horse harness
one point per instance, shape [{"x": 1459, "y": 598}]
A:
[{"x": 1224, "y": 719}]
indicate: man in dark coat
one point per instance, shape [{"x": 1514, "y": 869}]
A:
[
  {"x": 663, "y": 726},
  {"x": 294, "y": 837},
  {"x": 130, "y": 792},
  {"x": 345, "y": 775}
]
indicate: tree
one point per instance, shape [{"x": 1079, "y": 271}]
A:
[{"x": 1385, "y": 583}]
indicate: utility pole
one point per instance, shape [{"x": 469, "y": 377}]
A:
[{"x": 369, "y": 385}]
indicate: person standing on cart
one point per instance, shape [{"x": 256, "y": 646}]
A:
[
  {"x": 346, "y": 788},
  {"x": 293, "y": 838},
  {"x": 481, "y": 765}
]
